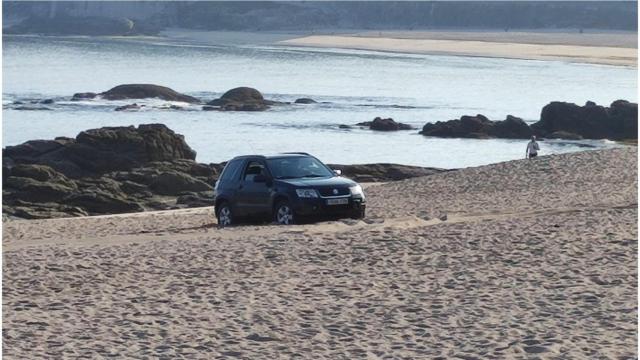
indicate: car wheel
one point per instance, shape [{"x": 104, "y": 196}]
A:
[
  {"x": 225, "y": 215},
  {"x": 283, "y": 214},
  {"x": 358, "y": 214}
]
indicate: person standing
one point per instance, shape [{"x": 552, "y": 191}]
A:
[{"x": 532, "y": 148}]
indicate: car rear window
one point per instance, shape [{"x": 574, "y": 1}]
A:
[{"x": 230, "y": 171}]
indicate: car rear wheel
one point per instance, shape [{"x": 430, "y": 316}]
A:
[
  {"x": 283, "y": 213},
  {"x": 225, "y": 215}
]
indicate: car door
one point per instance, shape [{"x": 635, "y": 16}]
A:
[{"x": 254, "y": 197}]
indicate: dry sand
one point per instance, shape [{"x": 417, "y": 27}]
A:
[
  {"x": 533, "y": 259},
  {"x": 601, "y": 48}
]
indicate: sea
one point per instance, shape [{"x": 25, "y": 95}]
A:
[{"x": 350, "y": 86}]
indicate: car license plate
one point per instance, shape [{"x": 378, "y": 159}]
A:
[{"x": 337, "y": 201}]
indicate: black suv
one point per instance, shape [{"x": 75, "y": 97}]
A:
[{"x": 284, "y": 187}]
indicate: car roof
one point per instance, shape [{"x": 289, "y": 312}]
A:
[{"x": 274, "y": 156}]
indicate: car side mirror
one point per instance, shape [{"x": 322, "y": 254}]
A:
[{"x": 338, "y": 172}]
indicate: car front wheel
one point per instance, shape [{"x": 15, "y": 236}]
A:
[
  {"x": 225, "y": 216},
  {"x": 283, "y": 214}
]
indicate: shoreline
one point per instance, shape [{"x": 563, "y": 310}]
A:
[{"x": 475, "y": 47}]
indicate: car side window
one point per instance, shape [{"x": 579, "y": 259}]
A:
[
  {"x": 253, "y": 168},
  {"x": 230, "y": 171}
]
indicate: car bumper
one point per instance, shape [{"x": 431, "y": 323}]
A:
[{"x": 319, "y": 206}]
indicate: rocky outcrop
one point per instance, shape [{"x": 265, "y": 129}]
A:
[
  {"x": 241, "y": 99},
  {"x": 380, "y": 124},
  {"x": 479, "y": 127},
  {"x": 138, "y": 91},
  {"x": 305, "y": 101},
  {"x": 383, "y": 172},
  {"x": 125, "y": 169},
  {"x": 591, "y": 121},
  {"x": 102, "y": 171}
]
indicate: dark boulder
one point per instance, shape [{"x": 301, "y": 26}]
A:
[
  {"x": 196, "y": 199},
  {"x": 83, "y": 96},
  {"x": 478, "y": 127},
  {"x": 107, "y": 149},
  {"x": 47, "y": 101},
  {"x": 510, "y": 128},
  {"x": 174, "y": 183},
  {"x": 129, "y": 107},
  {"x": 144, "y": 91},
  {"x": 241, "y": 99},
  {"x": 27, "y": 189},
  {"x": 305, "y": 101},
  {"x": 591, "y": 121},
  {"x": 101, "y": 202},
  {"x": 383, "y": 172},
  {"x": 380, "y": 124}
]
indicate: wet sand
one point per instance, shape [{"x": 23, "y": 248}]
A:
[{"x": 511, "y": 260}]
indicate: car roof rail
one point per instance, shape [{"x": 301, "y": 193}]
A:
[{"x": 297, "y": 152}]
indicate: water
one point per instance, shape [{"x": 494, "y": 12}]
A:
[{"x": 356, "y": 86}]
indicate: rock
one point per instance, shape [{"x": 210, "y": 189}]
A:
[
  {"x": 144, "y": 91},
  {"x": 32, "y": 108},
  {"x": 100, "y": 202},
  {"x": 564, "y": 135},
  {"x": 173, "y": 183},
  {"x": 380, "y": 124},
  {"x": 510, "y": 128},
  {"x": 383, "y": 172},
  {"x": 479, "y": 127},
  {"x": 27, "y": 189},
  {"x": 591, "y": 121},
  {"x": 133, "y": 106},
  {"x": 26, "y": 210},
  {"x": 83, "y": 96},
  {"x": 107, "y": 149},
  {"x": 241, "y": 99},
  {"x": 342, "y": 126},
  {"x": 46, "y": 101},
  {"x": 41, "y": 173},
  {"x": 210, "y": 108},
  {"x": 196, "y": 200},
  {"x": 305, "y": 101}
]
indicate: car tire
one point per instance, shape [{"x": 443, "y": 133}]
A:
[
  {"x": 283, "y": 213},
  {"x": 224, "y": 214},
  {"x": 358, "y": 214}
]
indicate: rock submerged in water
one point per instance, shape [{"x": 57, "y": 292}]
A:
[
  {"x": 129, "y": 107},
  {"x": 138, "y": 91},
  {"x": 241, "y": 99},
  {"x": 380, "y": 124},
  {"x": 591, "y": 121},
  {"x": 479, "y": 127},
  {"x": 305, "y": 101}
]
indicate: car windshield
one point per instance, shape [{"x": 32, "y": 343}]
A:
[{"x": 297, "y": 167}]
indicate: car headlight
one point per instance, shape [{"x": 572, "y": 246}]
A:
[
  {"x": 356, "y": 190},
  {"x": 307, "y": 193}
]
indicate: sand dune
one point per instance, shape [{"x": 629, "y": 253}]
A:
[{"x": 533, "y": 258}]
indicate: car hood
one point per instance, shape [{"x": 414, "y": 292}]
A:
[{"x": 319, "y": 182}]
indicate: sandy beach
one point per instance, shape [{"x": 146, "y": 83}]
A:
[
  {"x": 516, "y": 259},
  {"x": 596, "y": 48}
]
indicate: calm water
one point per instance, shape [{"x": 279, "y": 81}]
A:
[{"x": 357, "y": 86}]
